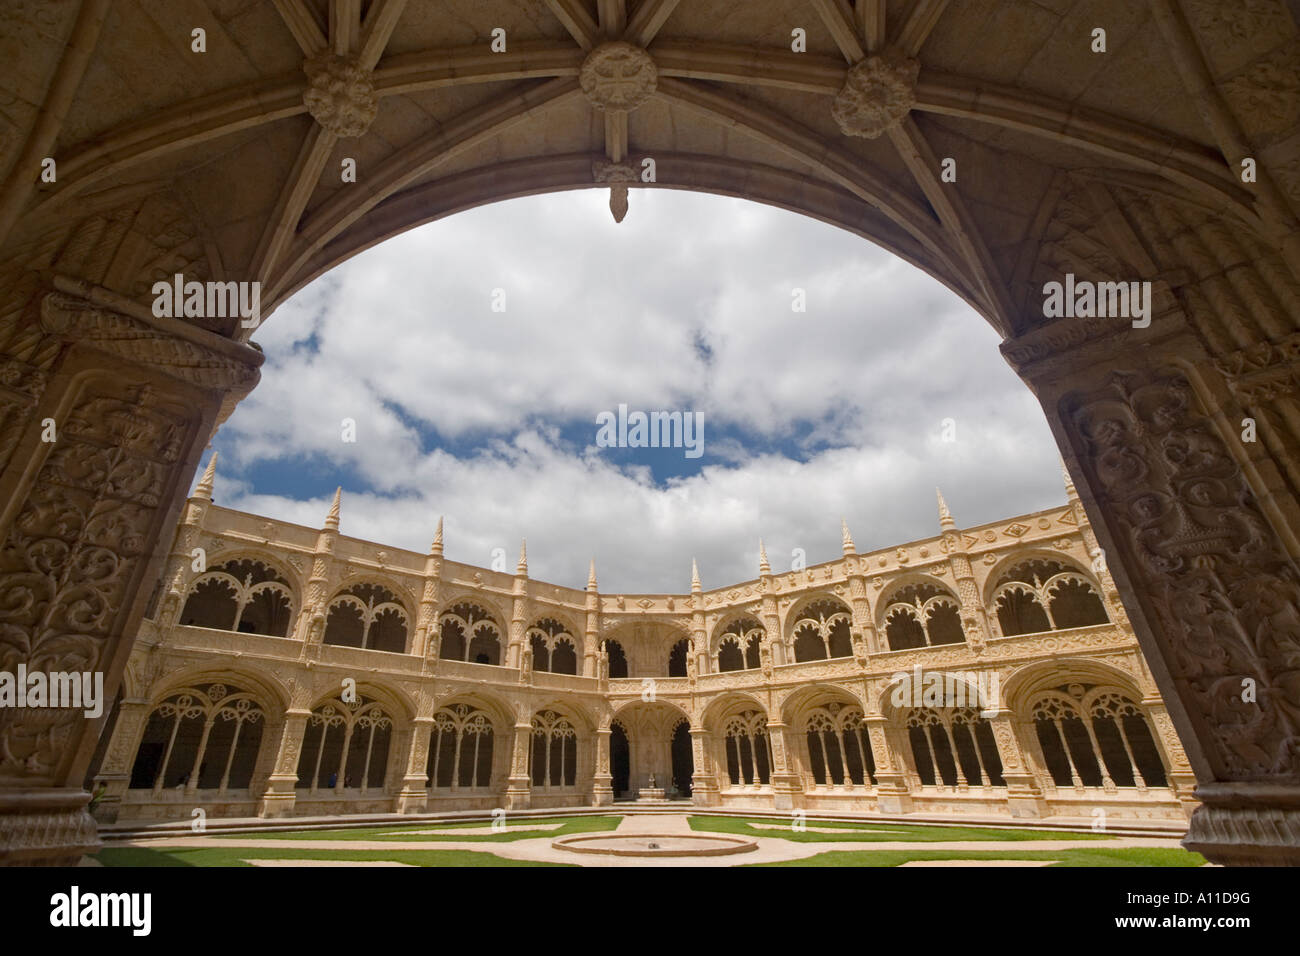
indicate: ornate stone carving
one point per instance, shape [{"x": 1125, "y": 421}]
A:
[
  {"x": 877, "y": 93},
  {"x": 1264, "y": 371},
  {"x": 67, "y": 563},
  {"x": 340, "y": 95},
  {"x": 1224, "y": 595},
  {"x": 138, "y": 342},
  {"x": 617, "y": 75}
]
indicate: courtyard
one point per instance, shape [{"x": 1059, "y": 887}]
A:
[{"x": 776, "y": 842}]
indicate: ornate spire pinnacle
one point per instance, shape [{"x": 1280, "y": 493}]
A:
[
  {"x": 1070, "y": 491},
  {"x": 763, "y": 566},
  {"x": 945, "y": 516},
  {"x": 436, "y": 547},
  {"x": 522, "y": 567},
  {"x": 591, "y": 576},
  {"x": 847, "y": 539},
  {"x": 204, "y": 489},
  {"x": 695, "y": 576},
  {"x": 332, "y": 519}
]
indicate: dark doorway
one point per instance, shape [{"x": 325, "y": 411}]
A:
[
  {"x": 683, "y": 759},
  {"x": 620, "y": 760}
]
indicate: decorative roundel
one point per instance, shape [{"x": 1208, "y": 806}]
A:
[{"x": 618, "y": 76}]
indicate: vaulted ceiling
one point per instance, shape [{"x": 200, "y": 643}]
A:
[{"x": 230, "y": 163}]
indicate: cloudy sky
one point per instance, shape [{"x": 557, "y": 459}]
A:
[{"x": 489, "y": 417}]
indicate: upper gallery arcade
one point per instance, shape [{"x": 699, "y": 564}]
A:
[{"x": 991, "y": 670}]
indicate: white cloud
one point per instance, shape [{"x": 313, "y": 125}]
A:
[{"x": 402, "y": 339}]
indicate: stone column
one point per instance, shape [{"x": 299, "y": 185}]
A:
[
  {"x": 281, "y": 792},
  {"x": 1198, "y": 526},
  {"x": 892, "y": 792},
  {"x": 602, "y": 788},
  {"x": 787, "y": 788},
  {"x": 591, "y": 636},
  {"x": 518, "y": 614},
  {"x": 1177, "y": 768},
  {"x": 104, "y": 413},
  {"x": 519, "y": 786},
  {"x": 424, "y": 642},
  {"x": 414, "y": 795},
  {"x": 771, "y": 618},
  {"x": 1024, "y": 798},
  {"x": 311, "y": 622},
  {"x": 115, "y": 771},
  {"x": 704, "y": 779}
]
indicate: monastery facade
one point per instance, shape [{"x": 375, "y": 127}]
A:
[{"x": 285, "y": 670}]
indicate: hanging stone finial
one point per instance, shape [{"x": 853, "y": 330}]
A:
[
  {"x": 695, "y": 576},
  {"x": 591, "y": 576},
  {"x": 846, "y": 539},
  {"x": 332, "y": 519},
  {"x": 945, "y": 516},
  {"x": 522, "y": 567},
  {"x": 204, "y": 488},
  {"x": 763, "y": 566},
  {"x": 618, "y": 175},
  {"x": 436, "y": 547}
]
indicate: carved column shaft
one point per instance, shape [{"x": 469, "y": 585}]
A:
[
  {"x": 114, "y": 415},
  {"x": 1199, "y": 531}
]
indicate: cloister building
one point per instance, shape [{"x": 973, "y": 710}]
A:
[{"x": 288, "y": 670}]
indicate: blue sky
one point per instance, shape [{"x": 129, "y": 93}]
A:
[{"x": 489, "y": 417}]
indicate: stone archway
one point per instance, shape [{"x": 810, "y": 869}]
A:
[{"x": 1179, "y": 431}]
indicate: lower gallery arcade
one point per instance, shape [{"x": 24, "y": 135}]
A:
[{"x": 985, "y": 671}]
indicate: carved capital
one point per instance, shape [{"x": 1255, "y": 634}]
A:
[{"x": 130, "y": 338}]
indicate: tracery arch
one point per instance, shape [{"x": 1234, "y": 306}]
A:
[
  {"x": 469, "y": 633},
  {"x": 738, "y": 645},
  {"x": 245, "y": 594},
  {"x": 1042, "y": 594},
  {"x": 748, "y": 748},
  {"x": 553, "y": 757},
  {"x": 838, "y": 746},
  {"x": 822, "y": 630},
  {"x": 922, "y": 614},
  {"x": 953, "y": 747},
  {"x": 368, "y": 616},
  {"x": 460, "y": 749},
  {"x": 346, "y": 745},
  {"x": 1096, "y": 736},
  {"x": 201, "y": 737},
  {"x": 554, "y": 647}
]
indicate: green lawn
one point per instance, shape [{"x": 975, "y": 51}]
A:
[
  {"x": 878, "y": 832},
  {"x": 235, "y": 856},
  {"x": 1144, "y": 856},
  {"x": 475, "y": 832},
  {"x": 865, "y": 833}
]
